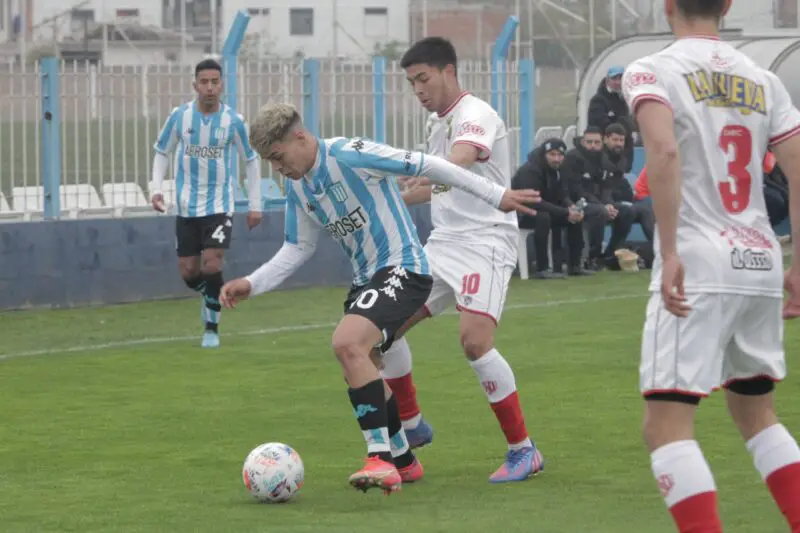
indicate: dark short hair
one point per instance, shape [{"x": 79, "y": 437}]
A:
[
  {"x": 592, "y": 130},
  {"x": 208, "y": 64},
  {"x": 616, "y": 129},
  {"x": 434, "y": 51},
  {"x": 701, "y": 8}
]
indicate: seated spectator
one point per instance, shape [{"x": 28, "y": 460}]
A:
[
  {"x": 556, "y": 212},
  {"x": 602, "y": 208},
  {"x": 776, "y": 191},
  {"x": 585, "y": 161}
]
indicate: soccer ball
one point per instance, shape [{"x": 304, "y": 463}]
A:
[{"x": 273, "y": 472}]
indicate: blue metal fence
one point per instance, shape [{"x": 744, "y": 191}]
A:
[{"x": 336, "y": 99}]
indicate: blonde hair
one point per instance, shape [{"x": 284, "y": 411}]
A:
[{"x": 272, "y": 123}]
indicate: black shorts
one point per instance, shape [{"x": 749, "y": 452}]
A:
[
  {"x": 195, "y": 234},
  {"x": 390, "y": 298}
]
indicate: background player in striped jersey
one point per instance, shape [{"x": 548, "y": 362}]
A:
[
  {"x": 472, "y": 250},
  {"x": 345, "y": 188},
  {"x": 207, "y": 135}
]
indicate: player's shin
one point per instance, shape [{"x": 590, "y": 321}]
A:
[
  {"x": 401, "y": 452},
  {"x": 497, "y": 379},
  {"x": 777, "y": 458},
  {"x": 369, "y": 405},
  {"x": 687, "y": 486},
  {"x": 397, "y": 373},
  {"x": 211, "y": 291}
]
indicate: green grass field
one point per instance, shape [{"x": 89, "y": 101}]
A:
[{"x": 114, "y": 420}]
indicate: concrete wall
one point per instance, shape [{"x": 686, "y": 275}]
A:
[{"x": 88, "y": 262}]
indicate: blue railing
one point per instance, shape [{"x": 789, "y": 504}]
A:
[{"x": 51, "y": 155}]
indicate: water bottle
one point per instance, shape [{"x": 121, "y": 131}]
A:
[{"x": 581, "y": 204}]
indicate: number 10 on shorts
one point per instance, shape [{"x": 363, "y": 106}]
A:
[{"x": 471, "y": 284}]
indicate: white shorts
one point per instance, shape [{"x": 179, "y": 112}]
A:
[
  {"x": 474, "y": 276},
  {"x": 725, "y": 338}
]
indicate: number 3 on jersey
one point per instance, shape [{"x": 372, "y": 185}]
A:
[{"x": 737, "y": 143}]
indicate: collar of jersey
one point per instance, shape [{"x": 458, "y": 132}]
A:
[
  {"x": 203, "y": 117},
  {"x": 452, "y": 106}
]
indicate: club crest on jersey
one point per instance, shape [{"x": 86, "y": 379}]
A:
[{"x": 338, "y": 192}]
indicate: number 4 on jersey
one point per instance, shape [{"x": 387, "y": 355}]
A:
[{"x": 737, "y": 143}]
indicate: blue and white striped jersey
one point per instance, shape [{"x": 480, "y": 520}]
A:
[
  {"x": 205, "y": 149},
  {"x": 352, "y": 194}
]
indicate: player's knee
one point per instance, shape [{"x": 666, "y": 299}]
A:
[
  {"x": 669, "y": 417},
  {"x": 212, "y": 264},
  {"x": 476, "y": 344},
  {"x": 348, "y": 350},
  {"x": 189, "y": 272}
]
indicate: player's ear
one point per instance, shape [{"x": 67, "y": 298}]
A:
[{"x": 669, "y": 7}]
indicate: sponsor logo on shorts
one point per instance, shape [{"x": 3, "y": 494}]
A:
[
  {"x": 751, "y": 259},
  {"x": 348, "y": 224}
]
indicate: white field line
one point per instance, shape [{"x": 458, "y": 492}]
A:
[{"x": 281, "y": 329}]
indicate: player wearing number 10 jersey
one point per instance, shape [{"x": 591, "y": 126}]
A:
[{"x": 707, "y": 114}]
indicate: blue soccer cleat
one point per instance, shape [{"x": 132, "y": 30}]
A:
[
  {"x": 519, "y": 465},
  {"x": 210, "y": 339},
  {"x": 420, "y": 436}
]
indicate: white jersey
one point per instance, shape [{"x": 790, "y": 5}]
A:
[
  {"x": 727, "y": 110},
  {"x": 456, "y": 214},
  {"x": 351, "y": 193},
  {"x": 206, "y": 146}
]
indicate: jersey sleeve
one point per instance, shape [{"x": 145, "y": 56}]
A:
[
  {"x": 378, "y": 160},
  {"x": 476, "y": 128},
  {"x": 299, "y": 229},
  {"x": 168, "y": 136},
  {"x": 241, "y": 138},
  {"x": 641, "y": 84},
  {"x": 784, "y": 119}
]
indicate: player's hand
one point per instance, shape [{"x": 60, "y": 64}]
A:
[
  {"x": 234, "y": 292},
  {"x": 612, "y": 211},
  {"x": 574, "y": 216},
  {"x": 516, "y": 200},
  {"x": 791, "y": 283},
  {"x": 158, "y": 203},
  {"x": 672, "y": 290},
  {"x": 254, "y": 219},
  {"x": 412, "y": 183}
]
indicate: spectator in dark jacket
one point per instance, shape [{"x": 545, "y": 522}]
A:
[
  {"x": 556, "y": 212},
  {"x": 776, "y": 191},
  {"x": 583, "y": 165},
  {"x": 608, "y": 107},
  {"x": 602, "y": 208}
]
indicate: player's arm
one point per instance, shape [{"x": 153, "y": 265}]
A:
[
  {"x": 382, "y": 161},
  {"x": 474, "y": 137},
  {"x": 252, "y": 166},
  {"x": 299, "y": 243},
  {"x": 785, "y": 141},
  {"x": 649, "y": 102},
  {"x": 165, "y": 144}
]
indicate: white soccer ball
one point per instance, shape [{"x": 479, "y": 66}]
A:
[{"x": 273, "y": 472}]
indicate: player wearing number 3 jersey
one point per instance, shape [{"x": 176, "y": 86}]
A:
[
  {"x": 707, "y": 114},
  {"x": 472, "y": 251}
]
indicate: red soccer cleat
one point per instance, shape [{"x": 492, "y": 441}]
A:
[
  {"x": 412, "y": 472},
  {"x": 377, "y": 473}
]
